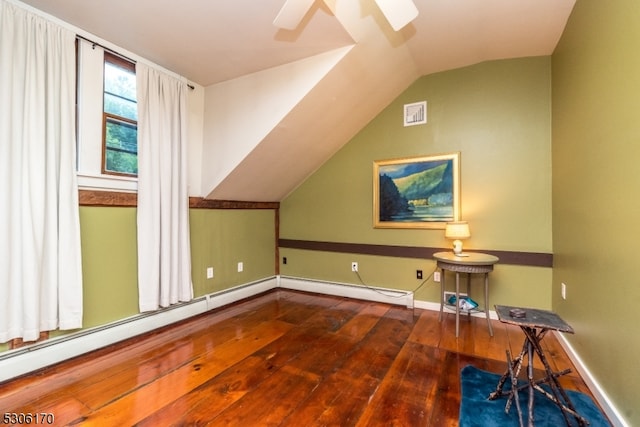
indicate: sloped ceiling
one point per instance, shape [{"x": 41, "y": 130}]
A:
[{"x": 346, "y": 61}]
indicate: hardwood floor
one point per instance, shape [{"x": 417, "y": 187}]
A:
[{"x": 284, "y": 358}]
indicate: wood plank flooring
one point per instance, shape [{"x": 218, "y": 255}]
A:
[{"x": 283, "y": 358}]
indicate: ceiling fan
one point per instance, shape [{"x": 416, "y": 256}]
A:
[{"x": 398, "y": 12}]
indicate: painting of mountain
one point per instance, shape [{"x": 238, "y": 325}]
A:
[{"x": 419, "y": 192}]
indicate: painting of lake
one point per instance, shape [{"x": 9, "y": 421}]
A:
[{"x": 418, "y": 192}]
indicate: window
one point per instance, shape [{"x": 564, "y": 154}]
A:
[
  {"x": 119, "y": 118},
  {"x": 106, "y": 137}
]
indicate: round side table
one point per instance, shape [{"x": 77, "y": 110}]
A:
[{"x": 470, "y": 263}]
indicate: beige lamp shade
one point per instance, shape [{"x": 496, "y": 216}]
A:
[{"x": 457, "y": 230}]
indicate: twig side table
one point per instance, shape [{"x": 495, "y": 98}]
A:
[{"x": 535, "y": 324}]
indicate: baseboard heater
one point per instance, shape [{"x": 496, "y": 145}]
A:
[
  {"x": 368, "y": 293},
  {"x": 14, "y": 363}
]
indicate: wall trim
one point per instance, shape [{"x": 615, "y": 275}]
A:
[
  {"x": 107, "y": 198},
  {"x": 535, "y": 259},
  {"x": 202, "y": 203},
  {"x": 130, "y": 199},
  {"x": 599, "y": 394}
]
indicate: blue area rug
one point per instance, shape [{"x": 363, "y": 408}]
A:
[{"x": 476, "y": 410}]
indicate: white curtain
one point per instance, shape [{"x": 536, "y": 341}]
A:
[
  {"x": 164, "y": 255},
  {"x": 40, "y": 258}
]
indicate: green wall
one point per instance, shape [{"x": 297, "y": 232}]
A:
[
  {"x": 497, "y": 115},
  {"x": 222, "y": 238},
  {"x": 596, "y": 182},
  {"x": 219, "y": 239},
  {"x": 109, "y": 264}
]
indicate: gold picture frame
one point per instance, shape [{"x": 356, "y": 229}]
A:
[{"x": 416, "y": 192}]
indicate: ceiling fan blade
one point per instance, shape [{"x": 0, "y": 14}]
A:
[
  {"x": 398, "y": 12},
  {"x": 292, "y": 13}
]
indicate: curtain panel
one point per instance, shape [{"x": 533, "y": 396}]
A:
[
  {"x": 164, "y": 255},
  {"x": 40, "y": 257}
]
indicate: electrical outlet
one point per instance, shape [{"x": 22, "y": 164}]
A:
[
  {"x": 240, "y": 267},
  {"x": 209, "y": 272},
  {"x": 354, "y": 266},
  {"x": 563, "y": 290},
  {"x": 436, "y": 276},
  {"x": 418, "y": 274},
  {"x": 284, "y": 260}
]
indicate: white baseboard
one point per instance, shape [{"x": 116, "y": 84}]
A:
[
  {"x": 389, "y": 296},
  {"x": 598, "y": 393},
  {"x": 14, "y": 363}
]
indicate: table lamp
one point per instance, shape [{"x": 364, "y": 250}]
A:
[{"x": 457, "y": 231}]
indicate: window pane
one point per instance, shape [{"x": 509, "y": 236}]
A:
[
  {"x": 120, "y": 106},
  {"x": 120, "y": 116},
  {"x": 122, "y": 163},
  {"x": 121, "y": 147},
  {"x": 119, "y": 81}
]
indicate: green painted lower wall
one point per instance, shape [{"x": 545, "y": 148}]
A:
[
  {"x": 219, "y": 239},
  {"x": 223, "y": 238},
  {"x": 498, "y": 116},
  {"x": 510, "y": 284},
  {"x": 109, "y": 264},
  {"x": 596, "y": 181}
]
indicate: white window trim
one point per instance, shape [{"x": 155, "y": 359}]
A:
[{"x": 107, "y": 183}]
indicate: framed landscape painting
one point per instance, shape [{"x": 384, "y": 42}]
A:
[{"x": 418, "y": 192}]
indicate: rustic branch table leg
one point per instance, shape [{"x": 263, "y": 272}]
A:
[
  {"x": 559, "y": 396},
  {"x": 512, "y": 370},
  {"x": 514, "y": 390},
  {"x": 530, "y": 379}
]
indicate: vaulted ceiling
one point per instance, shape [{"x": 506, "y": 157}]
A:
[{"x": 313, "y": 88}]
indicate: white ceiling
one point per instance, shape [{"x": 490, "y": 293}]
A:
[
  {"x": 209, "y": 41},
  {"x": 214, "y": 41}
]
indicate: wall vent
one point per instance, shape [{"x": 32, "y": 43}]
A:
[{"x": 415, "y": 113}]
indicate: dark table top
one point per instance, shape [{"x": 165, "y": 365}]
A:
[{"x": 534, "y": 318}]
